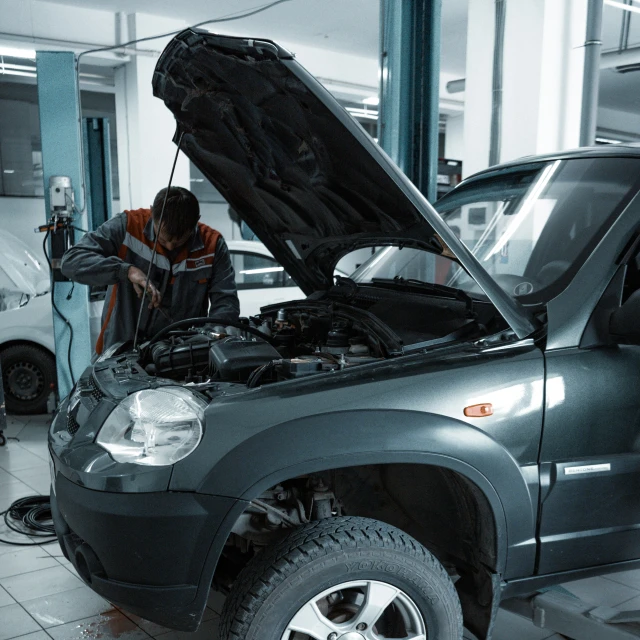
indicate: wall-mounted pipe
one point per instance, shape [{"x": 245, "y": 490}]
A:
[
  {"x": 496, "y": 102},
  {"x": 591, "y": 76}
]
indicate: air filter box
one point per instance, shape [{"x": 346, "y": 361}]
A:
[{"x": 234, "y": 358}]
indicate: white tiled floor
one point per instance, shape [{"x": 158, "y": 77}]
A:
[{"x": 41, "y": 597}]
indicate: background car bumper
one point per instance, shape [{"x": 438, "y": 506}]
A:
[{"x": 144, "y": 552}]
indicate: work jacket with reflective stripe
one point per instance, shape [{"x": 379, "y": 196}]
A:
[{"x": 196, "y": 280}]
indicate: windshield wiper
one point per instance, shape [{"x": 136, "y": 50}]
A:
[{"x": 439, "y": 289}]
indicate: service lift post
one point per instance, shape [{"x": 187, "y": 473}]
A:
[
  {"x": 60, "y": 130},
  {"x": 409, "y": 120}
]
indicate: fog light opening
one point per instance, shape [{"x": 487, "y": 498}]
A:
[
  {"x": 87, "y": 563},
  {"x": 82, "y": 567}
]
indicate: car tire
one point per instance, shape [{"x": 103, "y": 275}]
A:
[
  {"x": 347, "y": 566},
  {"x": 27, "y": 375}
]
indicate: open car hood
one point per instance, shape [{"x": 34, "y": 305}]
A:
[
  {"x": 20, "y": 271},
  {"x": 295, "y": 166}
]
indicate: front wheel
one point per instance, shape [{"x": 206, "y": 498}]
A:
[
  {"x": 28, "y": 374},
  {"x": 343, "y": 579}
]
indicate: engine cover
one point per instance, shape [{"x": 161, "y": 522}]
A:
[{"x": 234, "y": 358}]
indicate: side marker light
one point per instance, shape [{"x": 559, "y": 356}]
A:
[{"x": 479, "y": 410}]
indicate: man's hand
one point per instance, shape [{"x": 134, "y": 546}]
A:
[{"x": 137, "y": 277}]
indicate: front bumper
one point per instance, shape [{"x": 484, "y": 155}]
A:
[{"x": 146, "y": 552}]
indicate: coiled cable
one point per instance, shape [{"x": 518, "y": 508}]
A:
[{"x": 30, "y": 516}]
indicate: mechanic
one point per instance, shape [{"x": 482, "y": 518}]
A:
[{"x": 192, "y": 273}]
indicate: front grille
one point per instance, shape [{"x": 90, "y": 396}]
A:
[
  {"x": 72, "y": 425},
  {"x": 88, "y": 389},
  {"x": 96, "y": 394}
]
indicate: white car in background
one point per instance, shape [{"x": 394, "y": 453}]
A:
[
  {"x": 26, "y": 323},
  {"x": 26, "y": 331},
  {"x": 260, "y": 279}
]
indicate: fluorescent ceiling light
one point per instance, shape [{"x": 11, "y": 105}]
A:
[
  {"x": 18, "y": 53},
  {"x": 363, "y": 113},
  {"x": 17, "y": 67},
  {"x": 9, "y": 170},
  {"x": 621, "y": 5},
  {"x": 372, "y": 100},
  {"x": 607, "y": 140},
  {"x": 11, "y": 72},
  {"x": 250, "y": 272}
]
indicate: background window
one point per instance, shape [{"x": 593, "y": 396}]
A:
[
  {"x": 258, "y": 272},
  {"x": 202, "y": 188},
  {"x": 20, "y": 143}
]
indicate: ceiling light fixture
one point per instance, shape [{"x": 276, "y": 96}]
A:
[
  {"x": 621, "y": 5},
  {"x": 17, "y": 53},
  {"x": 12, "y": 72},
  {"x": 372, "y": 100},
  {"x": 363, "y": 113}
]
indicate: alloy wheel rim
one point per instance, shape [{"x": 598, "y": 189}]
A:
[{"x": 358, "y": 610}]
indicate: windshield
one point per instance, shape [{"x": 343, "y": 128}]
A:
[{"x": 531, "y": 227}]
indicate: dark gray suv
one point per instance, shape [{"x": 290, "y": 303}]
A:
[{"x": 456, "y": 423}]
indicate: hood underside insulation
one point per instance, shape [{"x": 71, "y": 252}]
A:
[{"x": 274, "y": 146}]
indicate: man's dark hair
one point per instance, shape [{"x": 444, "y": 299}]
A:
[{"x": 181, "y": 212}]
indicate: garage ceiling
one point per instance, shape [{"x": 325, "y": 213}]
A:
[
  {"x": 348, "y": 26},
  {"x": 352, "y": 27}
]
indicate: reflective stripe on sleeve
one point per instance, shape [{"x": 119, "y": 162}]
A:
[{"x": 141, "y": 249}]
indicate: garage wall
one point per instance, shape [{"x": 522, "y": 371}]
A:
[
  {"x": 614, "y": 122},
  {"x": 20, "y": 216}
]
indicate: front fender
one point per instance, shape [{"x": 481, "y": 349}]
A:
[{"x": 359, "y": 437}]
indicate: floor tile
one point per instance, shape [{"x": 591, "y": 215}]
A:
[
  {"x": 40, "y": 448},
  {"x": 630, "y": 605},
  {"x": 16, "y": 622},
  {"x": 14, "y": 458},
  {"x": 629, "y": 578},
  {"x": 34, "y": 432},
  {"x": 40, "y": 583},
  {"x": 7, "y": 534},
  {"x": 207, "y": 631},
  {"x": 13, "y": 428},
  {"x": 11, "y": 492},
  {"x": 154, "y": 629},
  {"x": 216, "y": 600},
  {"x": 105, "y": 626},
  {"x": 68, "y": 606},
  {"x": 5, "y": 598},
  {"x": 24, "y": 560},
  {"x": 600, "y": 591},
  {"x": 39, "y": 479},
  {"x": 37, "y": 635},
  {"x": 55, "y": 551},
  {"x": 510, "y": 626},
  {"x": 6, "y": 478}
]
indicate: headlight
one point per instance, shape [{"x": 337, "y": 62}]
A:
[{"x": 156, "y": 427}]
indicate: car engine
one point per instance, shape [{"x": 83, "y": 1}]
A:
[{"x": 285, "y": 344}]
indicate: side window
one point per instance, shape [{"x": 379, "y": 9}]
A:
[{"x": 254, "y": 271}]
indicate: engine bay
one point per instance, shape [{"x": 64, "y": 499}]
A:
[
  {"x": 310, "y": 337},
  {"x": 286, "y": 344}
]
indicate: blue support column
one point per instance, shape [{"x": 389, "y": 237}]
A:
[
  {"x": 59, "y": 103},
  {"x": 410, "y": 81}
]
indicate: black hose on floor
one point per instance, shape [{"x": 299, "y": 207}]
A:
[{"x": 31, "y": 517}]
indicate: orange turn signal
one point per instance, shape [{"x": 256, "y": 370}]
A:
[{"x": 479, "y": 410}]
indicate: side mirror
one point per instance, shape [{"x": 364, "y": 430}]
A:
[{"x": 625, "y": 321}]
